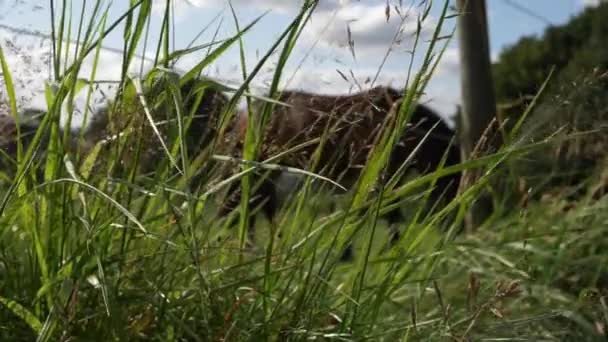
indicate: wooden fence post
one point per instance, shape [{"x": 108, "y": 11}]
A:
[{"x": 478, "y": 99}]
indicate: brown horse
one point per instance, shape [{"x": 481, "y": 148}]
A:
[
  {"x": 141, "y": 146},
  {"x": 343, "y": 129}
]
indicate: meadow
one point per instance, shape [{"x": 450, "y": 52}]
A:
[{"x": 93, "y": 249}]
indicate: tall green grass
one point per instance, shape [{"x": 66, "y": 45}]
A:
[{"x": 91, "y": 249}]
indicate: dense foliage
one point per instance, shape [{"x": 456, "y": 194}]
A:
[
  {"x": 573, "y": 49},
  {"x": 572, "y": 108}
]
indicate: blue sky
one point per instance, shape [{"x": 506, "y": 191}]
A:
[{"x": 323, "y": 42}]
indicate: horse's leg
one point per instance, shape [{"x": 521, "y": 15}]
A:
[
  {"x": 394, "y": 218},
  {"x": 232, "y": 202},
  {"x": 263, "y": 200},
  {"x": 347, "y": 254}
]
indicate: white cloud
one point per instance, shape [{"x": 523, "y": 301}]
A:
[
  {"x": 590, "y": 3},
  {"x": 370, "y": 31},
  {"x": 449, "y": 63},
  {"x": 29, "y": 60},
  {"x": 366, "y": 19},
  {"x": 282, "y": 6},
  {"x": 443, "y": 94}
]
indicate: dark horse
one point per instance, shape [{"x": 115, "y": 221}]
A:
[
  {"x": 350, "y": 125},
  {"x": 126, "y": 119}
]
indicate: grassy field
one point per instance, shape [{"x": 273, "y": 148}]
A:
[{"x": 90, "y": 251}]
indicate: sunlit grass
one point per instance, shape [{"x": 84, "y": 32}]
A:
[{"x": 92, "y": 249}]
